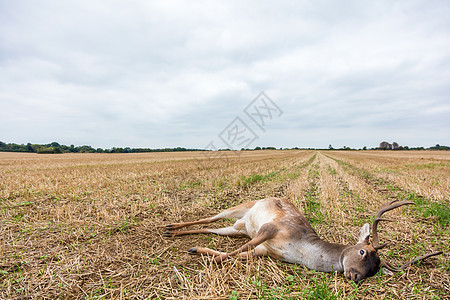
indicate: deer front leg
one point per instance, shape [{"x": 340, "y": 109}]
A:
[
  {"x": 266, "y": 232},
  {"x": 259, "y": 250}
]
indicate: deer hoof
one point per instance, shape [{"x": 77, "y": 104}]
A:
[
  {"x": 167, "y": 234},
  {"x": 192, "y": 251},
  {"x": 169, "y": 226}
]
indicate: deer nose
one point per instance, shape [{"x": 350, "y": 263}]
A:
[
  {"x": 352, "y": 275},
  {"x": 348, "y": 275}
]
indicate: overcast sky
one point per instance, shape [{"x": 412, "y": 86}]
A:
[{"x": 178, "y": 73}]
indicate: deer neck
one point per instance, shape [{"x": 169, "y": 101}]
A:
[{"x": 321, "y": 255}]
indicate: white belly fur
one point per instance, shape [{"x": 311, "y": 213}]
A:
[{"x": 257, "y": 216}]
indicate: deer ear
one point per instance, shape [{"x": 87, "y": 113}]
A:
[{"x": 364, "y": 234}]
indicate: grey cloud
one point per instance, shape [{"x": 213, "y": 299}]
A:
[{"x": 158, "y": 73}]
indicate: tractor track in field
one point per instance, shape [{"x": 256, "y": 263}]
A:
[
  {"x": 427, "y": 210},
  {"x": 279, "y": 190},
  {"x": 311, "y": 204},
  {"x": 387, "y": 189},
  {"x": 254, "y": 186},
  {"x": 352, "y": 201}
]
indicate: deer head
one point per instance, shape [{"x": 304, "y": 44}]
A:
[{"x": 362, "y": 260}]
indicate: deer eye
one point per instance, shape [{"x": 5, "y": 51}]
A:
[{"x": 361, "y": 252}]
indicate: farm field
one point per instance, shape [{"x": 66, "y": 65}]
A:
[{"x": 90, "y": 226}]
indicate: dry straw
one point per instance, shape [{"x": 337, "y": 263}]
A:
[{"x": 91, "y": 225}]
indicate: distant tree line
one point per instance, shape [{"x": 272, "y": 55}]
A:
[
  {"x": 54, "y": 148},
  {"x": 396, "y": 146},
  {"x": 259, "y": 148}
]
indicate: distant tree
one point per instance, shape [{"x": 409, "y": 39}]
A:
[
  {"x": 364, "y": 148},
  {"x": 439, "y": 147},
  {"x": 330, "y": 147},
  {"x": 395, "y": 146},
  {"x": 57, "y": 150},
  {"x": 36, "y": 147},
  {"x": 257, "y": 148},
  {"x": 84, "y": 149},
  {"x": 385, "y": 146},
  {"x": 54, "y": 144},
  {"x": 45, "y": 150}
]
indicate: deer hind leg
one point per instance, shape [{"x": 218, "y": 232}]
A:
[
  {"x": 234, "y": 212},
  {"x": 238, "y": 229},
  {"x": 266, "y": 232}
]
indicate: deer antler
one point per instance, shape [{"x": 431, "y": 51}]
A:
[
  {"x": 404, "y": 266},
  {"x": 384, "y": 208},
  {"x": 376, "y": 242}
]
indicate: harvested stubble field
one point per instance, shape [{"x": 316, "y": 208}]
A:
[{"x": 91, "y": 225}]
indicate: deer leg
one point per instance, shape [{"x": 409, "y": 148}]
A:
[
  {"x": 234, "y": 212},
  {"x": 266, "y": 232},
  {"x": 259, "y": 250},
  {"x": 238, "y": 229},
  {"x": 201, "y": 221}
]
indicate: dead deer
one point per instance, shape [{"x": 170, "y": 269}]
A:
[{"x": 278, "y": 229}]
